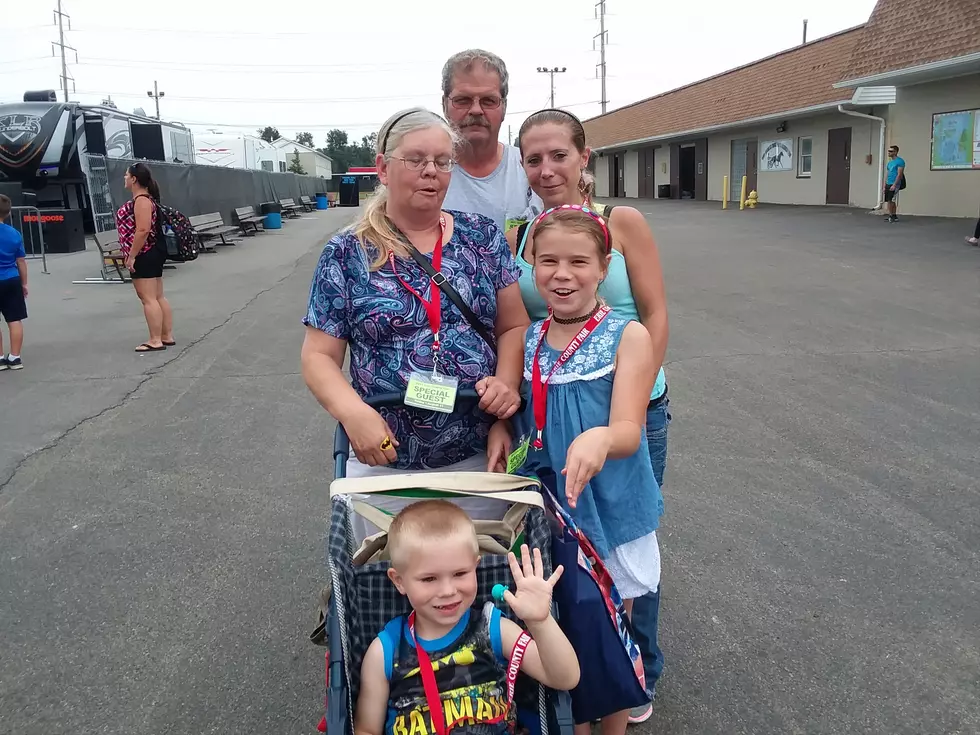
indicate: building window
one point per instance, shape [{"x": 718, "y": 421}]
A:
[
  {"x": 282, "y": 167},
  {"x": 805, "y": 165},
  {"x": 267, "y": 166}
]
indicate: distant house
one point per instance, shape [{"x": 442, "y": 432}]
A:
[
  {"x": 810, "y": 125},
  {"x": 314, "y": 162}
]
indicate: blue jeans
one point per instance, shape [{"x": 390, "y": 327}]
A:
[{"x": 646, "y": 609}]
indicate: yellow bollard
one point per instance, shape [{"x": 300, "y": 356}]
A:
[
  {"x": 745, "y": 183},
  {"x": 724, "y": 192}
]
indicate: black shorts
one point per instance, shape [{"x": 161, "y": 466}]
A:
[
  {"x": 890, "y": 194},
  {"x": 13, "y": 305},
  {"x": 149, "y": 264}
]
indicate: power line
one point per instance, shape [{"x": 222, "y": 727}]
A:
[
  {"x": 264, "y": 100},
  {"x": 330, "y": 126},
  {"x": 257, "y": 70},
  {"x": 384, "y": 66}
]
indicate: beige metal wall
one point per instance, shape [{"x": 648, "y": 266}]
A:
[
  {"x": 936, "y": 193},
  {"x": 602, "y": 175}
]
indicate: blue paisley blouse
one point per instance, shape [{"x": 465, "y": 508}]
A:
[{"x": 388, "y": 333}]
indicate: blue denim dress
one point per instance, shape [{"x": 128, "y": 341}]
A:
[{"x": 620, "y": 508}]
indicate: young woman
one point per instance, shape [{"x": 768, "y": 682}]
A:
[
  {"x": 136, "y": 222},
  {"x": 555, "y": 156},
  {"x": 591, "y": 370}
]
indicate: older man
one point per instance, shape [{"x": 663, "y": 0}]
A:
[{"x": 489, "y": 179}]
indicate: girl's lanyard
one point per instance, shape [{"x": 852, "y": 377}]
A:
[
  {"x": 429, "y": 677},
  {"x": 539, "y": 385},
  {"x": 433, "y": 304}
]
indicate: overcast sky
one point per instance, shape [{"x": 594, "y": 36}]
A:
[{"x": 242, "y": 64}]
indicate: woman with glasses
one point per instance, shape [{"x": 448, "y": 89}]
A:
[{"x": 372, "y": 294}]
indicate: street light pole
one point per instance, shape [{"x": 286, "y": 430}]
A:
[
  {"x": 551, "y": 72},
  {"x": 156, "y": 95}
]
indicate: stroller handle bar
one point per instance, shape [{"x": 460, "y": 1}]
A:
[{"x": 341, "y": 442}]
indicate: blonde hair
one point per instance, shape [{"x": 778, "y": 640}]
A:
[
  {"x": 425, "y": 522},
  {"x": 374, "y": 230}
]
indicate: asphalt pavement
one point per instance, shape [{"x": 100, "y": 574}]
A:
[{"x": 162, "y": 516}]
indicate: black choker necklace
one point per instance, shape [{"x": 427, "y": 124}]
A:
[{"x": 577, "y": 319}]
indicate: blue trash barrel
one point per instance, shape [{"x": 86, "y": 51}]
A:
[
  {"x": 273, "y": 221},
  {"x": 321, "y": 201}
]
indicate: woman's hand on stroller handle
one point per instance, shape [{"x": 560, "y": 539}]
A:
[
  {"x": 371, "y": 438},
  {"x": 532, "y": 603},
  {"x": 497, "y": 398}
]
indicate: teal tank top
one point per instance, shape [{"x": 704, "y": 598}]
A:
[{"x": 615, "y": 291}]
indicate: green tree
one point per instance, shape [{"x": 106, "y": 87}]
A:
[
  {"x": 306, "y": 139},
  {"x": 295, "y": 165},
  {"x": 269, "y": 134}
]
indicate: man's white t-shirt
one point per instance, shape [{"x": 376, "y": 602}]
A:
[{"x": 504, "y": 196}]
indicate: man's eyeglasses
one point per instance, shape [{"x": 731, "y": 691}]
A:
[
  {"x": 413, "y": 163},
  {"x": 465, "y": 103}
]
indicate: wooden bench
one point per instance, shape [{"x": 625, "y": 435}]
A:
[
  {"x": 210, "y": 226},
  {"x": 289, "y": 207},
  {"x": 307, "y": 203},
  {"x": 113, "y": 261},
  {"x": 248, "y": 220}
]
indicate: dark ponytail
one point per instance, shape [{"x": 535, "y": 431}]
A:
[{"x": 141, "y": 172}]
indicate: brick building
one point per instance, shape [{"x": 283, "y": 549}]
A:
[{"x": 810, "y": 125}]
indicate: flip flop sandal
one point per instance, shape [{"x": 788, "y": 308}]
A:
[
  {"x": 169, "y": 344},
  {"x": 150, "y": 348}
]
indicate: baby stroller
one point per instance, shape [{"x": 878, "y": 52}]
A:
[{"x": 360, "y": 599}]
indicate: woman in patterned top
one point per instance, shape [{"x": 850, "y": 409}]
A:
[
  {"x": 369, "y": 294},
  {"x": 136, "y": 222}
]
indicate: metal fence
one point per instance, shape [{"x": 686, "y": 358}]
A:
[
  {"x": 28, "y": 221},
  {"x": 99, "y": 192}
]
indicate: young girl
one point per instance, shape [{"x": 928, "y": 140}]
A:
[{"x": 591, "y": 372}]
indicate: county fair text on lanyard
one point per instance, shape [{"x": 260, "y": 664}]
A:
[
  {"x": 539, "y": 385},
  {"x": 435, "y": 392}
]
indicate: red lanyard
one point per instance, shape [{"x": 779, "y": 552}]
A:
[
  {"x": 432, "y": 690},
  {"x": 539, "y": 385},
  {"x": 433, "y": 304}
]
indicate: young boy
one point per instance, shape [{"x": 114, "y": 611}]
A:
[
  {"x": 434, "y": 554},
  {"x": 13, "y": 287}
]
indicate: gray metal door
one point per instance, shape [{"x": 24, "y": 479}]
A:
[{"x": 739, "y": 168}]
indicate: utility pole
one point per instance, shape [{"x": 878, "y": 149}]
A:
[
  {"x": 554, "y": 70},
  {"x": 59, "y": 18},
  {"x": 601, "y": 66},
  {"x": 156, "y": 95}
]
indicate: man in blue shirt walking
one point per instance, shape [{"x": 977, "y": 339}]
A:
[
  {"x": 894, "y": 183},
  {"x": 13, "y": 287}
]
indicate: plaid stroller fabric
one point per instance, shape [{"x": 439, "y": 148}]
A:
[{"x": 365, "y": 599}]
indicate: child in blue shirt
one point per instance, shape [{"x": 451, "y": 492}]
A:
[{"x": 13, "y": 287}]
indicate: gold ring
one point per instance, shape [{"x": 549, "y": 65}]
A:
[{"x": 386, "y": 444}]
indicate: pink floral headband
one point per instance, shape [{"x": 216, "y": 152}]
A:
[{"x": 586, "y": 210}]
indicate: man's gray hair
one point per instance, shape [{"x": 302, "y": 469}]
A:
[{"x": 464, "y": 60}]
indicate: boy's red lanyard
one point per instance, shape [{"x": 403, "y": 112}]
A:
[
  {"x": 429, "y": 676},
  {"x": 539, "y": 385},
  {"x": 433, "y": 303}
]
